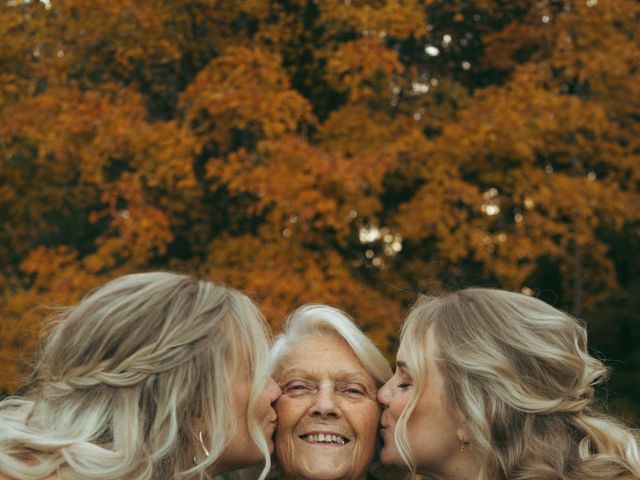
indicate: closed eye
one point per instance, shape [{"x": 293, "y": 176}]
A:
[
  {"x": 354, "y": 391},
  {"x": 296, "y": 388},
  {"x": 403, "y": 379}
]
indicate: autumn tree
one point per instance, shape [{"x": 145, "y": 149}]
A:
[{"x": 347, "y": 152}]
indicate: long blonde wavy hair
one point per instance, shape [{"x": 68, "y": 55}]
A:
[
  {"x": 130, "y": 375},
  {"x": 518, "y": 374}
]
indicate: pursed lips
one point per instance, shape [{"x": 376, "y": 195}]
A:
[
  {"x": 273, "y": 424},
  {"x": 383, "y": 425}
]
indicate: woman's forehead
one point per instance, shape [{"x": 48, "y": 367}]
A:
[
  {"x": 320, "y": 348},
  {"x": 322, "y": 356},
  {"x": 423, "y": 341}
]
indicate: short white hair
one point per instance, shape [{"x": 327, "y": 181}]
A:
[{"x": 315, "y": 320}]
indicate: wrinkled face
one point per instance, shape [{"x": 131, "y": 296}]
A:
[
  {"x": 242, "y": 450},
  {"x": 433, "y": 431},
  {"x": 327, "y": 414}
]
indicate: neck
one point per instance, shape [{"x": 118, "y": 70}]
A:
[
  {"x": 302, "y": 477},
  {"x": 465, "y": 467}
]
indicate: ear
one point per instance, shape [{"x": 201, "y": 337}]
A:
[
  {"x": 198, "y": 425},
  {"x": 463, "y": 434}
]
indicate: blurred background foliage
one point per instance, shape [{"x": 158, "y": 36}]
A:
[{"x": 348, "y": 152}]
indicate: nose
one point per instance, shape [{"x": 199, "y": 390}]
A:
[
  {"x": 324, "y": 404},
  {"x": 273, "y": 390},
  {"x": 384, "y": 394}
]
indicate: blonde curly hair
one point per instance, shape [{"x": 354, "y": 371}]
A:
[
  {"x": 518, "y": 372},
  {"x": 130, "y": 375}
]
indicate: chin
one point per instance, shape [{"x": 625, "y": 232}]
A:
[
  {"x": 325, "y": 475},
  {"x": 388, "y": 458}
]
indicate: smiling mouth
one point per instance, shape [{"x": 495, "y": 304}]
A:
[{"x": 327, "y": 439}]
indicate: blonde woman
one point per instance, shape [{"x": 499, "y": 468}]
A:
[
  {"x": 497, "y": 385},
  {"x": 152, "y": 376}
]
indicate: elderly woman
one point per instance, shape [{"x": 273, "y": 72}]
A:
[
  {"x": 152, "y": 376},
  {"x": 497, "y": 385},
  {"x": 329, "y": 373}
]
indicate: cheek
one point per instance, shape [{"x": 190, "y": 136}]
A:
[
  {"x": 364, "y": 420},
  {"x": 265, "y": 405},
  {"x": 398, "y": 404},
  {"x": 289, "y": 413},
  {"x": 240, "y": 392}
]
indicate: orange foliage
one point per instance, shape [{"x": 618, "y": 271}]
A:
[{"x": 351, "y": 153}]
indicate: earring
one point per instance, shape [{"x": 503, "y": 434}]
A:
[
  {"x": 204, "y": 448},
  {"x": 463, "y": 446}
]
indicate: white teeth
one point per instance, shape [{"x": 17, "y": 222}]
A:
[
  {"x": 322, "y": 438},
  {"x": 338, "y": 439}
]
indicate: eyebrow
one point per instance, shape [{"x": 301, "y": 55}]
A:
[
  {"x": 340, "y": 375},
  {"x": 401, "y": 364}
]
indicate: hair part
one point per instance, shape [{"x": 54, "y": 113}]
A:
[
  {"x": 518, "y": 374},
  {"x": 128, "y": 374}
]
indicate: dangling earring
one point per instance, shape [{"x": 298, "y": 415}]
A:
[
  {"x": 204, "y": 448},
  {"x": 202, "y": 445},
  {"x": 463, "y": 446}
]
